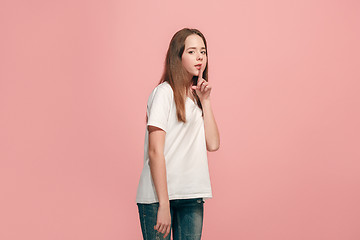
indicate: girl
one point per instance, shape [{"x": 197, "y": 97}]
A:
[{"x": 180, "y": 130}]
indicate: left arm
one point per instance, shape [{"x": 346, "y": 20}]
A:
[
  {"x": 212, "y": 137},
  {"x": 211, "y": 130}
]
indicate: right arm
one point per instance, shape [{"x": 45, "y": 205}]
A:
[{"x": 158, "y": 173}]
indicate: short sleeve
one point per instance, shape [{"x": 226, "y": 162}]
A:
[{"x": 158, "y": 107}]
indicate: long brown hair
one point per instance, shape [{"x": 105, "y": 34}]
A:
[{"x": 176, "y": 75}]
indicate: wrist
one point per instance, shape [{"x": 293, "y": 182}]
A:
[
  {"x": 205, "y": 101},
  {"x": 164, "y": 203}
]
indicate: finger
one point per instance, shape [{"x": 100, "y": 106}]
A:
[
  {"x": 156, "y": 227},
  {"x": 203, "y": 86},
  {"x": 200, "y": 81},
  {"x": 200, "y": 73},
  {"x": 207, "y": 88},
  {"x": 161, "y": 228},
  {"x": 167, "y": 231}
]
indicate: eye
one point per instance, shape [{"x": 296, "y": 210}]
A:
[{"x": 203, "y": 52}]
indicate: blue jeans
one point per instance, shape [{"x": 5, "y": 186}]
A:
[{"x": 186, "y": 219}]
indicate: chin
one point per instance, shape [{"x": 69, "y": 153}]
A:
[{"x": 192, "y": 74}]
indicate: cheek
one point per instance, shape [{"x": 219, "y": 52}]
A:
[{"x": 186, "y": 61}]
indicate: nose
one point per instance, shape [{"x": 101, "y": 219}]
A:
[{"x": 200, "y": 57}]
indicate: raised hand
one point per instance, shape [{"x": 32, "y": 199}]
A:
[{"x": 202, "y": 88}]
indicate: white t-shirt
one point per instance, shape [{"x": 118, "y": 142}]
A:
[{"x": 184, "y": 150}]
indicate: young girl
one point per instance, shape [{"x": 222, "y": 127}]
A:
[{"x": 180, "y": 130}]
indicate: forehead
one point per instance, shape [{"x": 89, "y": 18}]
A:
[{"x": 194, "y": 40}]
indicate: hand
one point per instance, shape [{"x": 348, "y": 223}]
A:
[
  {"x": 163, "y": 222},
  {"x": 202, "y": 88}
]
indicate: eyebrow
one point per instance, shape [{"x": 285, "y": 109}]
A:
[{"x": 194, "y": 48}]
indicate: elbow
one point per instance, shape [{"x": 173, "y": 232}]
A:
[
  {"x": 213, "y": 148},
  {"x": 155, "y": 154}
]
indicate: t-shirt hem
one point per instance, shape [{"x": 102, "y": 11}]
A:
[
  {"x": 173, "y": 197},
  {"x": 156, "y": 124}
]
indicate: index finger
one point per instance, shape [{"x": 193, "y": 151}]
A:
[
  {"x": 200, "y": 73},
  {"x": 199, "y": 81}
]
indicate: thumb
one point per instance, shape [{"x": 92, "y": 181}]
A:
[
  {"x": 156, "y": 227},
  {"x": 193, "y": 87}
]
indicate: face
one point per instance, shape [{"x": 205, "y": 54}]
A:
[{"x": 194, "y": 54}]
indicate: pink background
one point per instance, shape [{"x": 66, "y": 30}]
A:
[{"x": 74, "y": 80}]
